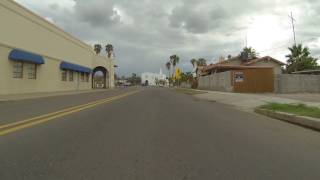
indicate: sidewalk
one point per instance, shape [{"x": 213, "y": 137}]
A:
[
  {"x": 17, "y": 97},
  {"x": 247, "y": 102}
]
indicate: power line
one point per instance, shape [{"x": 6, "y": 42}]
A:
[{"x": 286, "y": 45}]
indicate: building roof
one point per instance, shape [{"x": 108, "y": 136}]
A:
[
  {"x": 224, "y": 67},
  {"x": 252, "y": 61},
  {"x": 266, "y": 58},
  {"x": 314, "y": 71}
]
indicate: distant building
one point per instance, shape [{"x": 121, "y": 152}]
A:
[{"x": 153, "y": 79}]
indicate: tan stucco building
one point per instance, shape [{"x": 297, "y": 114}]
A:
[{"x": 37, "y": 56}]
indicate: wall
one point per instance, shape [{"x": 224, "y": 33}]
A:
[
  {"x": 253, "y": 80},
  {"x": 185, "y": 85},
  {"x": 48, "y": 77},
  {"x": 217, "y": 81},
  {"x": 294, "y": 83}
]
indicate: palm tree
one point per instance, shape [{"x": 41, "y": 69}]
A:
[
  {"x": 109, "y": 50},
  {"x": 193, "y": 62},
  {"x": 248, "y": 53},
  {"x": 299, "y": 59},
  {"x": 174, "y": 60},
  {"x": 202, "y": 62},
  {"x": 97, "y": 48},
  {"x": 168, "y": 66}
]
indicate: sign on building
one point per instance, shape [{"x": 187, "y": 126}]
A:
[{"x": 238, "y": 77}]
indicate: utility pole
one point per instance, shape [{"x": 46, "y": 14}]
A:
[{"x": 294, "y": 33}]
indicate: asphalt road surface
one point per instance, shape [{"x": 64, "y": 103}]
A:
[{"x": 152, "y": 134}]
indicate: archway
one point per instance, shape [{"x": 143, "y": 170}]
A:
[{"x": 100, "y": 78}]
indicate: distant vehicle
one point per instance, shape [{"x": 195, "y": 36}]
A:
[{"x": 99, "y": 85}]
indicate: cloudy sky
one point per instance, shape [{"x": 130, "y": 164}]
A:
[{"x": 146, "y": 32}]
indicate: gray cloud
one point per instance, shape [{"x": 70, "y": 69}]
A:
[
  {"x": 99, "y": 13},
  {"x": 146, "y": 32}
]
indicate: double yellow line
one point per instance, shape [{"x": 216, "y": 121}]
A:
[{"x": 12, "y": 127}]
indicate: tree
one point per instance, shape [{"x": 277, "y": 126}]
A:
[
  {"x": 174, "y": 60},
  {"x": 97, "y": 48},
  {"x": 248, "y": 53},
  {"x": 193, "y": 62},
  {"x": 300, "y": 59},
  {"x": 186, "y": 77},
  {"x": 134, "y": 79},
  {"x": 109, "y": 50},
  {"x": 202, "y": 62},
  {"x": 168, "y": 66}
]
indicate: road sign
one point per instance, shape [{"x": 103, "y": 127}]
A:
[{"x": 177, "y": 74}]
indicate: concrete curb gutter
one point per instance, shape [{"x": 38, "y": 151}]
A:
[
  {"x": 309, "y": 122},
  {"x": 19, "y": 97},
  {"x": 198, "y": 90}
]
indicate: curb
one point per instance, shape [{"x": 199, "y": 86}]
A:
[
  {"x": 309, "y": 122},
  {"x": 20, "y": 97},
  {"x": 199, "y": 90}
]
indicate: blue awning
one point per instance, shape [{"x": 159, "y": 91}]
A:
[
  {"x": 74, "y": 67},
  {"x": 19, "y": 55}
]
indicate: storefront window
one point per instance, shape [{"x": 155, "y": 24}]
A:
[
  {"x": 18, "y": 70},
  {"x": 82, "y": 76},
  {"x": 87, "y": 77},
  {"x": 70, "y": 75},
  {"x": 64, "y": 75},
  {"x": 32, "y": 71}
]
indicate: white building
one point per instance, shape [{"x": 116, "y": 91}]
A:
[{"x": 151, "y": 79}]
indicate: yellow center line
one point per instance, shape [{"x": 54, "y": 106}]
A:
[{"x": 12, "y": 127}]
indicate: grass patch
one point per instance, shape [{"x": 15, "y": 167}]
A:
[
  {"x": 298, "y": 109},
  {"x": 190, "y": 91}
]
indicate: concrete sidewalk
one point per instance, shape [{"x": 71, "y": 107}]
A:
[
  {"x": 247, "y": 102},
  {"x": 17, "y": 97}
]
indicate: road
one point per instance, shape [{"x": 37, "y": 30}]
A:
[{"x": 151, "y": 134}]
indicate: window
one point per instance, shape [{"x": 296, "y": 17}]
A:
[
  {"x": 32, "y": 71},
  {"x": 64, "y": 75},
  {"x": 82, "y": 76},
  {"x": 87, "y": 77},
  {"x": 70, "y": 75},
  {"x": 18, "y": 70}
]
